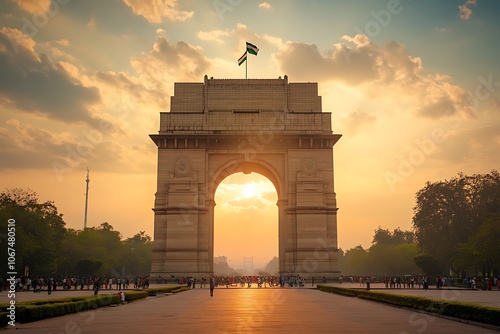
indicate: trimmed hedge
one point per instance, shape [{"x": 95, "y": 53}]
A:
[
  {"x": 3, "y": 318},
  {"x": 41, "y": 309},
  {"x": 166, "y": 289},
  {"x": 135, "y": 294},
  {"x": 466, "y": 311}
]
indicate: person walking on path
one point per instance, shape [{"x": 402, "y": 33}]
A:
[
  {"x": 97, "y": 284},
  {"x": 212, "y": 286}
]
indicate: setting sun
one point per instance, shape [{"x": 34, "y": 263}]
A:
[{"x": 249, "y": 190}]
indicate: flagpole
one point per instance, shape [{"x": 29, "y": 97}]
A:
[{"x": 253, "y": 50}]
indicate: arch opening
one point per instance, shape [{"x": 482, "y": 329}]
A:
[{"x": 246, "y": 225}]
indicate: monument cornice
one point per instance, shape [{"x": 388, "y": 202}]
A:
[
  {"x": 178, "y": 209},
  {"x": 244, "y": 140},
  {"x": 311, "y": 208}
]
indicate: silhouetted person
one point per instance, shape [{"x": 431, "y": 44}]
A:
[
  {"x": 212, "y": 286},
  {"x": 97, "y": 283}
]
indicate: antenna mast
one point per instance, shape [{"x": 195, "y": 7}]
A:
[{"x": 86, "y": 199}]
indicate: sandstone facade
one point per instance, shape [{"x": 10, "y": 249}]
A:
[{"x": 224, "y": 126}]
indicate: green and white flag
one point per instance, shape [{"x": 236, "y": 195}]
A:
[
  {"x": 252, "y": 49},
  {"x": 242, "y": 59}
]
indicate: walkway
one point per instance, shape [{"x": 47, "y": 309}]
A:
[{"x": 249, "y": 311}]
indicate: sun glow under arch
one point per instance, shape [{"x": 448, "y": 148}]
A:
[
  {"x": 249, "y": 190},
  {"x": 246, "y": 220}
]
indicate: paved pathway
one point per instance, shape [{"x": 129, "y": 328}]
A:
[{"x": 249, "y": 311}]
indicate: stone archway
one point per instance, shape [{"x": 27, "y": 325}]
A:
[{"x": 223, "y": 126}]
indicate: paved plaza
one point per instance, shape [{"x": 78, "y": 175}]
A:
[{"x": 266, "y": 310}]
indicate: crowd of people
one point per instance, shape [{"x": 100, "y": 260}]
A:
[
  {"x": 423, "y": 282},
  {"x": 50, "y": 284},
  {"x": 248, "y": 281},
  {"x": 484, "y": 283}
]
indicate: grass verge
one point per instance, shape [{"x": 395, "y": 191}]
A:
[{"x": 462, "y": 310}]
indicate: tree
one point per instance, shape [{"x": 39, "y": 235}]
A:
[
  {"x": 88, "y": 267},
  {"x": 397, "y": 237},
  {"x": 391, "y": 253},
  {"x": 465, "y": 259},
  {"x": 40, "y": 230},
  {"x": 355, "y": 261},
  {"x": 428, "y": 264},
  {"x": 138, "y": 254},
  {"x": 481, "y": 252},
  {"x": 382, "y": 237},
  {"x": 448, "y": 212},
  {"x": 46, "y": 247},
  {"x": 392, "y": 259},
  {"x": 102, "y": 243}
]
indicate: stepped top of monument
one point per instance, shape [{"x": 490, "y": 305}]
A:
[
  {"x": 213, "y": 81},
  {"x": 245, "y": 95}
]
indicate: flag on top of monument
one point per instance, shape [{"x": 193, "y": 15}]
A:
[
  {"x": 242, "y": 59},
  {"x": 252, "y": 48}
]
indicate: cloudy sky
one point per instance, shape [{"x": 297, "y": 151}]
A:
[{"x": 414, "y": 88}]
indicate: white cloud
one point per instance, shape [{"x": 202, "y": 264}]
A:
[
  {"x": 238, "y": 37},
  {"x": 155, "y": 10},
  {"x": 91, "y": 24},
  {"x": 265, "y": 5},
  {"x": 358, "y": 119},
  {"x": 181, "y": 61},
  {"x": 41, "y": 88},
  {"x": 63, "y": 42},
  {"x": 28, "y": 137},
  {"x": 16, "y": 40},
  {"x": 379, "y": 70},
  {"x": 33, "y": 83},
  {"x": 218, "y": 36},
  {"x": 471, "y": 147},
  {"x": 33, "y": 6},
  {"x": 232, "y": 196},
  {"x": 465, "y": 11}
]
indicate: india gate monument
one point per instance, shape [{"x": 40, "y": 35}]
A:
[{"x": 219, "y": 127}]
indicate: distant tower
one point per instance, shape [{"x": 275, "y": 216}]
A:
[{"x": 86, "y": 199}]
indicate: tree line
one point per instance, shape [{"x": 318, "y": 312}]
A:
[
  {"x": 391, "y": 253},
  {"x": 455, "y": 230},
  {"x": 457, "y": 225},
  {"x": 45, "y": 246}
]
